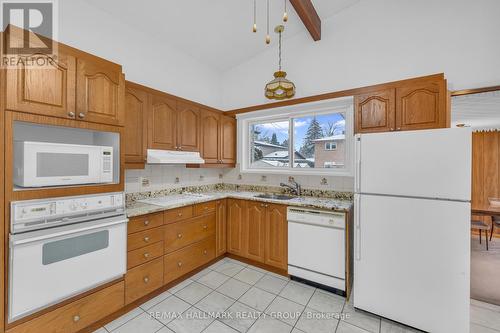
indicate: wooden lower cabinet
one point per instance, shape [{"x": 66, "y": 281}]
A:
[
  {"x": 77, "y": 315},
  {"x": 220, "y": 227},
  {"x": 276, "y": 242},
  {"x": 180, "y": 234},
  {"x": 144, "y": 254},
  {"x": 144, "y": 222},
  {"x": 182, "y": 261},
  {"x": 143, "y": 279},
  {"x": 235, "y": 220},
  {"x": 253, "y": 231},
  {"x": 258, "y": 231},
  {"x": 144, "y": 238}
]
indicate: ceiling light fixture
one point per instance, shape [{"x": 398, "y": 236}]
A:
[
  {"x": 254, "y": 28},
  {"x": 268, "y": 38},
  {"x": 285, "y": 15},
  {"x": 280, "y": 87}
]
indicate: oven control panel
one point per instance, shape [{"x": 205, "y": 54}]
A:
[{"x": 64, "y": 209}]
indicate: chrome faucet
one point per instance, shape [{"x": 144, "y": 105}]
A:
[{"x": 295, "y": 187}]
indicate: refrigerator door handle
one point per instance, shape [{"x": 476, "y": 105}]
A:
[
  {"x": 357, "y": 228},
  {"x": 357, "y": 171}
]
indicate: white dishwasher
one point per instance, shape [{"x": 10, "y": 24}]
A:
[{"x": 316, "y": 246}]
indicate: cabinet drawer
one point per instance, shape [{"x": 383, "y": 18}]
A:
[
  {"x": 144, "y": 238},
  {"x": 180, "y": 234},
  {"x": 185, "y": 260},
  {"x": 143, "y": 279},
  {"x": 204, "y": 208},
  {"x": 178, "y": 214},
  {"x": 141, "y": 223},
  {"x": 78, "y": 314},
  {"x": 144, "y": 254}
]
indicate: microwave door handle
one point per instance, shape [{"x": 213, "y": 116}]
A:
[{"x": 53, "y": 233}]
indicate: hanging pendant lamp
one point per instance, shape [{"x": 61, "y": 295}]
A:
[{"x": 280, "y": 87}]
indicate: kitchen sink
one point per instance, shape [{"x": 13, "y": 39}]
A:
[{"x": 274, "y": 196}]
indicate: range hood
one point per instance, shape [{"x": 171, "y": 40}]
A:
[{"x": 156, "y": 156}]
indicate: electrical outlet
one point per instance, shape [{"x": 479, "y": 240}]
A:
[
  {"x": 144, "y": 181},
  {"x": 221, "y": 176},
  {"x": 202, "y": 178},
  {"x": 240, "y": 177},
  {"x": 177, "y": 180},
  {"x": 324, "y": 181},
  {"x": 263, "y": 178}
]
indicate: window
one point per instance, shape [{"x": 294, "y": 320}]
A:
[
  {"x": 330, "y": 146},
  {"x": 298, "y": 141}
]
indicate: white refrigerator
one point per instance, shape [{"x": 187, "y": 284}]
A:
[{"x": 412, "y": 227}]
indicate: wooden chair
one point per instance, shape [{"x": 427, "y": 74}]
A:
[
  {"x": 495, "y": 222},
  {"x": 480, "y": 225}
]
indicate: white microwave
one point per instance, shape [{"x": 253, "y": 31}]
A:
[{"x": 38, "y": 164}]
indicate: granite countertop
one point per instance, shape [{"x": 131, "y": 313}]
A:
[{"x": 179, "y": 200}]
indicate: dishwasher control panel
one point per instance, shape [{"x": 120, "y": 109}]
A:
[{"x": 317, "y": 217}]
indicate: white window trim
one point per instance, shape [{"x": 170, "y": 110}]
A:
[
  {"x": 330, "y": 144},
  {"x": 344, "y": 104}
]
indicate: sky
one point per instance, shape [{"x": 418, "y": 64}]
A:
[{"x": 300, "y": 126}]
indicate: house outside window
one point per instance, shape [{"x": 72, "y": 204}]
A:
[{"x": 307, "y": 141}]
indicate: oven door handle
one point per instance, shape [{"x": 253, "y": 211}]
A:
[{"x": 71, "y": 229}]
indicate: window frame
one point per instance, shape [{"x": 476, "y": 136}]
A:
[
  {"x": 330, "y": 144},
  {"x": 288, "y": 113}
]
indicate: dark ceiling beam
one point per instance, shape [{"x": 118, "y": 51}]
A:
[{"x": 307, "y": 13}]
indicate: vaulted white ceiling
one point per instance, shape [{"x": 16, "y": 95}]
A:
[{"x": 216, "y": 32}]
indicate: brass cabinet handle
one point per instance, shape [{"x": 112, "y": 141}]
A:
[
  {"x": 266, "y": 205},
  {"x": 146, "y": 239},
  {"x": 392, "y": 129},
  {"x": 205, "y": 252},
  {"x": 71, "y": 114},
  {"x": 146, "y": 279},
  {"x": 179, "y": 235},
  {"x": 179, "y": 214},
  {"x": 81, "y": 115},
  {"x": 180, "y": 147},
  {"x": 76, "y": 318},
  {"x": 399, "y": 128},
  {"x": 146, "y": 255},
  {"x": 146, "y": 222},
  {"x": 179, "y": 264},
  {"x": 262, "y": 205},
  {"x": 205, "y": 227}
]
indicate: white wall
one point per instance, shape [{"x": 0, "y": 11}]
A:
[
  {"x": 145, "y": 59},
  {"x": 377, "y": 41}
]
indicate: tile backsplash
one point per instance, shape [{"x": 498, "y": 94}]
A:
[{"x": 158, "y": 177}]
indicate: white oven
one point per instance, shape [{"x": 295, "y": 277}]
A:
[
  {"x": 59, "y": 248},
  {"x": 38, "y": 164}
]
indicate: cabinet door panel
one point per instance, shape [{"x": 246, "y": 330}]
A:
[
  {"x": 375, "y": 112},
  {"x": 276, "y": 236},
  {"x": 421, "y": 106},
  {"x": 235, "y": 220},
  {"x": 100, "y": 92},
  {"x": 228, "y": 140},
  {"x": 210, "y": 138},
  {"x": 162, "y": 123},
  {"x": 254, "y": 231},
  {"x": 221, "y": 227},
  {"x": 48, "y": 90},
  {"x": 188, "y": 127},
  {"x": 136, "y": 105}
]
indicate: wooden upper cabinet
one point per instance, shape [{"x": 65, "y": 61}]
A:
[
  {"x": 188, "y": 127},
  {"x": 228, "y": 140},
  {"x": 48, "y": 90},
  {"x": 254, "y": 230},
  {"x": 421, "y": 106},
  {"x": 210, "y": 138},
  {"x": 414, "y": 104},
  {"x": 235, "y": 221},
  {"x": 162, "y": 123},
  {"x": 221, "y": 228},
  {"x": 100, "y": 87},
  {"x": 375, "y": 112},
  {"x": 276, "y": 241},
  {"x": 136, "y": 122}
]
